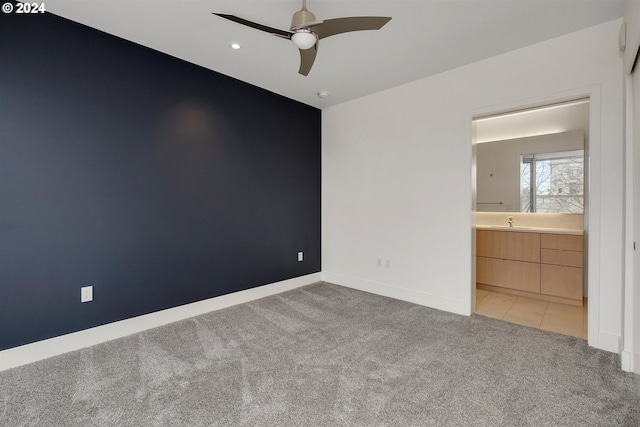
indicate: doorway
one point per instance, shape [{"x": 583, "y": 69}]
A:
[{"x": 530, "y": 168}]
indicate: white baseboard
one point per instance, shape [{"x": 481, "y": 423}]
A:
[
  {"x": 608, "y": 342},
  {"x": 33, "y": 352},
  {"x": 422, "y": 298},
  {"x": 626, "y": 361}
]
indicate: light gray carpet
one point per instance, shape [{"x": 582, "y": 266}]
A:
[{"x": 326, "y": 355}]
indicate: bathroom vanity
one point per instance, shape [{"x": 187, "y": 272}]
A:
[{"x": 533, "y": 262}]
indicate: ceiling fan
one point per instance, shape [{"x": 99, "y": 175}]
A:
[{"x": 306, "y": 31}]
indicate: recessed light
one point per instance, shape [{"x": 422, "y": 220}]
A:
[{"x": 235, "y": 46}]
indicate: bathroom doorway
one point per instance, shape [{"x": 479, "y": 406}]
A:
[{"x": 530, "y": 200}]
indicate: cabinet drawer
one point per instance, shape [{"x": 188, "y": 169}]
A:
[
  {"x": 523, "y": 276},
  {"x": 561, "y": 281},
  {"x": 568, "y": 242},
  {"x": 561, "y": 257},
  {"x": 508, "y": 245}
]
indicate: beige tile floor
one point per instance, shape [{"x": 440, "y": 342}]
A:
[{"x": 549, "y": 316}]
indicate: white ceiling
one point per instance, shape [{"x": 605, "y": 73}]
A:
[{"x": 423, "y": 38}]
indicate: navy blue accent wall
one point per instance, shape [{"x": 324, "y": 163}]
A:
[{"x": 156, "y": 181}]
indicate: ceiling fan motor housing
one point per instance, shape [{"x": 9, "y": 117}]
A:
[{"x": 301, "y": 19}]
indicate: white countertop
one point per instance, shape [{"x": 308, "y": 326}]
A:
[{"x": 531, "y": 229}]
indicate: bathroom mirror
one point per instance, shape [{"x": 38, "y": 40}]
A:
[
  {"x": 543, "y": 173},
  {"x": 532, "y": 160}
]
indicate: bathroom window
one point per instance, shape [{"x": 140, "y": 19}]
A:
[{"x": 552, "y": 182}]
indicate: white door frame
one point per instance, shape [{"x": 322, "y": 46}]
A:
[{"x": 592, "y": 207}]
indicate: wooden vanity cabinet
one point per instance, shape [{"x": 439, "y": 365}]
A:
[
  {"x": 561, "y": 266},
  {"x": 508, "y": 259},
  {"x": 522, "y": 276},
  {"x": 538, "y": 265},
  {"x": 508, "y": 245}
]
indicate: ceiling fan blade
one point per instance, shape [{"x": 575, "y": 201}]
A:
[
  {"x": 307, "y": 57},
  {"x": 307, "y": 25},
  {"x": 331, "y": 27},
  {"x": 275, "y": 31}
]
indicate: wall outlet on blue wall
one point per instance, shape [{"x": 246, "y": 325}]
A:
[
  {"x": 86, "y": 294},
  {"x": 300, "y": 256}
]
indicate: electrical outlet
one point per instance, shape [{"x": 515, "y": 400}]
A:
[
  {"x": 300, "y": 256},
  {"x": 86, "y": 294},
  {"x": 388, "y": 263}
]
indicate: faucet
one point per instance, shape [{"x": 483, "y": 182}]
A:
[{"x": 510, "y": 218}]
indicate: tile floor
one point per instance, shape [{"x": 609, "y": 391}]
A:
[{"x": 549, "y": 316}]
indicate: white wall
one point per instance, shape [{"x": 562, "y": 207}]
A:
[
  {"x": 397, "y": 174},
  {"x": 498, "y": 166},
  {"x": 631, "y": 353},
  {"x": 635, "y": 313}
]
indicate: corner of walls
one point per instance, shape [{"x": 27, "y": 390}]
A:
[{"x": 430, "y": 300}]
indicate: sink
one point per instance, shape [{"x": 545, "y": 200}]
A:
[{"x": 515, "y": 227}]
